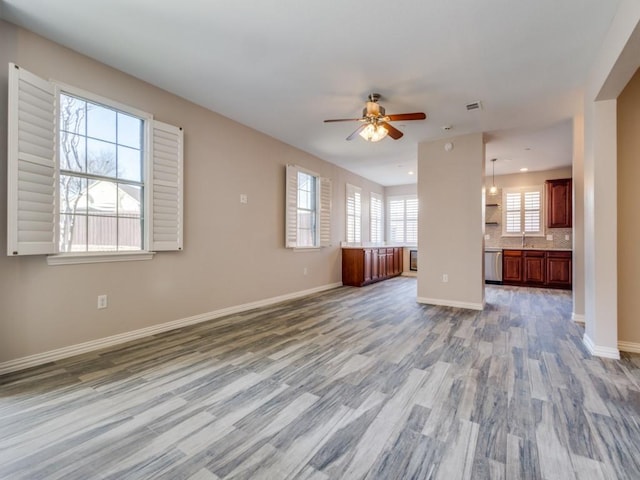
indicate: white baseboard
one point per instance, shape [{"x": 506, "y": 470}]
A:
[
  {"x": 451, "y": 303},
  {"x": 65, "y": 352},
  {"x": 631, "y": 347},
  {"x": 599, "y": 351},
  {"x": 410, "y": 274},
  {"x": 577, "y": 317}
]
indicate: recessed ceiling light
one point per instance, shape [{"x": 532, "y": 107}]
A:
[
  {"x": 524, "y": 169},
  {"x": 410, "y": 173}
]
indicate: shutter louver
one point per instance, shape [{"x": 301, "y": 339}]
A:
[
  {"x": 325, "y": 212},
  {"x": 354, "y": 211},
  {"x": 512, "y": 215},
  {"x": 291, "y": 207},
  {"x": 32, "y": 171},
  {"x": 167, "y": 188},
  {"x": 376, "y": 218},
  {"x": 411, "y": 221}
]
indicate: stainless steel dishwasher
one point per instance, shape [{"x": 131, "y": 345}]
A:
[{"x": 493, "y": 265}]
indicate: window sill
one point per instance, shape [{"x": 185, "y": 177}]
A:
[
  {"x": 77, "y": 258},
  {"x": 306, "y": 249}
]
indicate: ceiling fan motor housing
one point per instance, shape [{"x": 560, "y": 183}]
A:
[{"x": 373, "y": 110}]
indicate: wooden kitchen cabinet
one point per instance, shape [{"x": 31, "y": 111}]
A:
[
  {"x": 537, "y": 268},
  {"x": 559, "y": 269},
  {"x": 362, "y": 266},
  {"x": 512, "y": 267},
  {"x": 559, "y": 211},
  {"x": 534, "y": 267}
]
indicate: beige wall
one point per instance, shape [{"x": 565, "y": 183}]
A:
[
  {"x": 451, "y": 222},
  {"x": 233, "y": 253},
  {"x": 628, "y": 208}
]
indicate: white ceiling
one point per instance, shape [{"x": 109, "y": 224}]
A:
[{"x": 283, "y": 66}]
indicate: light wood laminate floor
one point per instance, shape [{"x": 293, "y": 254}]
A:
[{"x": 346, "y": 384}]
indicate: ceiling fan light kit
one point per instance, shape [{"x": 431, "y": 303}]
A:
[{"x": 374, "y": 121}]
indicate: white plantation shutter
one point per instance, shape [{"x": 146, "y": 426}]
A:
[
  {"x": 532, "y": 204},
  {"x": 291, "y": 212},
  {"x": 411, "y": 220},
  {"x": 522, "y": 211},
  {"x": 376, "y": 217},
  {"x": 512, "y": 202},
  {"x": 354, "y": 213},
  {"x": 166, "y": 187},
  {"x": 403, "y": 219},
  {"x": 325, "y": 212},
  {"x": 32, "y": 169}
]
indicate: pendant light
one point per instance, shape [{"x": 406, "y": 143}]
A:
[{"x": 493, "y": 190}]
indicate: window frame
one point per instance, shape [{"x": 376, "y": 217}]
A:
[
  {"x": 147, "y": 119},
  {"x": 376, "y": 224},
  {"x": 322, "y": 214},
  {"x": 541, "y": 213},
  {"x": 353, "y": 214},
  {"x": 33, "y": 169},
  {"x": 405, "y": 240}
]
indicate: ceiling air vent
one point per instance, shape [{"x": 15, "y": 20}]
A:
[{"x": 474, "y": 106}]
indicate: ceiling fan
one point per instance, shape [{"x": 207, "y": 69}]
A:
[{"x": 375, "y": 122}]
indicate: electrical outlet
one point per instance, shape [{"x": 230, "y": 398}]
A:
[
  {"x": 550, "y": 237},
  {"x": 487, "y": 237},
  {"x": 243, "y": 198},
  {"x": 445, "y": 278},
  {"x": 567, "y": 237},
  {"x": 102, "y": 302}
]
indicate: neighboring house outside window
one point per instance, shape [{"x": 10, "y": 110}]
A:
[{"x": 402, "y": 214}]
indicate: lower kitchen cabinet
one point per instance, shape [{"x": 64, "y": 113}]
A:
[
  {"x": 362, "y": 266},
  {"x": 512, "y": 266},
  {"x": 559, "y": 269},
  {"x": 537, "y": 268},
  {"x": 534, "y": 267}
]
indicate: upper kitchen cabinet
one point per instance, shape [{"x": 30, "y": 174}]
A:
[{"x": 558, "y": 203}]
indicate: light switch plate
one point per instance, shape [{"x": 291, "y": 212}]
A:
[
  {"x": 550, "y": 237},
  {"x": 243, "y": 198},
  {"x": 487, "y": 237}
]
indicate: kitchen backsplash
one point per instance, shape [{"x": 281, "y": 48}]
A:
[{"x": 562, "y": 237}]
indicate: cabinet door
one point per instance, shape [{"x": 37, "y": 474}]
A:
[
  {"x": 559, "y": 269},
  {"x": 375, "y": 264},
  {"x": 367, "y": 265},
  {"x": 558, "y": 203},
  {"x": 397, "y": 261},
  {"x": 534, "y": 267},
  {"x": 382, "y": 262},
  {"x": 512, "y": 266}
]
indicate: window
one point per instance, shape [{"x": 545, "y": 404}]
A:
[
  {"x": 522, "y": 211},
  {"x": 308, "y": 209},
  {"x": 100, "y": 178},
  {"x": 102, "y": 181},
  {"x": 403, "y": 219},
  {"x": 376, "y": 217},
  {"x": 354, "y": 214}
]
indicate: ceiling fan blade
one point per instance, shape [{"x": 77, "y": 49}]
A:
[
  {"x": 393, "y": 131},
  {"x": 355, "y": 134},
  {"x": 343, "y": 120},
  {"x": 406, "y": 116}
]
